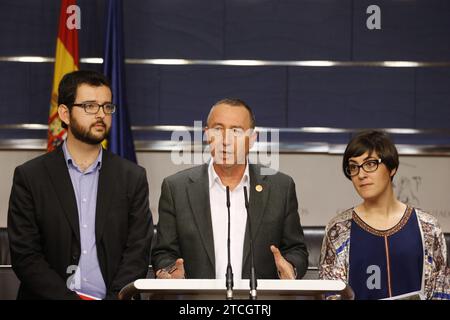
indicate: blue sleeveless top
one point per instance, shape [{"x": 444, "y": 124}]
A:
[{"x": 385, "y": 263}]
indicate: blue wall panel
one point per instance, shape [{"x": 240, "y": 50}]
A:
[
  {"x": 351, "y": 97},
  {"x": 433, "y": 98},
  {"x": 246, "y": 29},
  {"x": 174, "y": 29},
  {"x": 410, "y": 30},
  {"x": 143, "y": 87},
  {"x": 187, "y": 93},
  {"x": 30, "y": 27},
  {"x": 288, "y": 29},
  {"x": 25, "y": 93}
]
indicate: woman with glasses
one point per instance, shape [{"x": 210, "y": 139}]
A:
[{"x": 382, "y": 247}]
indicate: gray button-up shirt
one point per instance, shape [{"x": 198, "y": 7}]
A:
[{"x": 88, "y": 277}]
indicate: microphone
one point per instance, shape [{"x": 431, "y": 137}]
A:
[
  {"x": 229, "y": 274},
  {"x": 253, "y": 281}
]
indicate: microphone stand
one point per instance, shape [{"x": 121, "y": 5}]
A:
[
  {"x": 253, "y": 281},
  {"x": 229, "y": 274}
]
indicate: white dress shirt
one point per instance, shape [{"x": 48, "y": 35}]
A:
[{"x": 219, "y": 218}]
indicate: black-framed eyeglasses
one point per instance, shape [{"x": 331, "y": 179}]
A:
[
  {"x": 94, "y": 107},
  {"x": 368, "y": 166}
]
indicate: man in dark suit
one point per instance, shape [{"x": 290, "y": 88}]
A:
[
  {"x": 79, "y": 221},
  {"x": 192, "y": 229}
]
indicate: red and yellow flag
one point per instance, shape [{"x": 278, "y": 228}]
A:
[{"x": 66, "y": 61}]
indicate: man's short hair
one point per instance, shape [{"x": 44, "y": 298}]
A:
[
  {"x": 67, "y": 90},
  {"x": 234, "y": 102},
  {"x": 372, "y": 141}
]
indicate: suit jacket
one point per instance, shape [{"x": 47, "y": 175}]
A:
[
  {"x": 185, "y": 228},
  {"x": 44, "y": 230}
]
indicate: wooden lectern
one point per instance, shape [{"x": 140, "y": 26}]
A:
[{"x": 205, "y": 289}]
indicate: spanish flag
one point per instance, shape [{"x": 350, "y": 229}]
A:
[{"x": 66, "y": 61}]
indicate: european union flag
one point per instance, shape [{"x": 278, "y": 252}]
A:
[{"x": 120, "y": 138}]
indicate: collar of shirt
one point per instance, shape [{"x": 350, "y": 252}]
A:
[
  {"x": 214, "y": 178},
  {"x": 97, "y": 164}
]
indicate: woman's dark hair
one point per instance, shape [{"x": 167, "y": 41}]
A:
[
  {"x": 67, "y": 90},
  {"x": 372, "y": 141}
]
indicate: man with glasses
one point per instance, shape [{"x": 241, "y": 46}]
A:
[
  {"x": 79, "y": 221},
  {"x": 192, "y": 228}
]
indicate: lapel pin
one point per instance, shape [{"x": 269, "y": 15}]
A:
[{"x": 259, "y": 188}]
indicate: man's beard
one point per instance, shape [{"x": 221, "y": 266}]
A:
[{"x": 85, "y": 135}]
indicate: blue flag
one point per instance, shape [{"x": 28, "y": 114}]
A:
[{"x": 120, "y": 139}]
